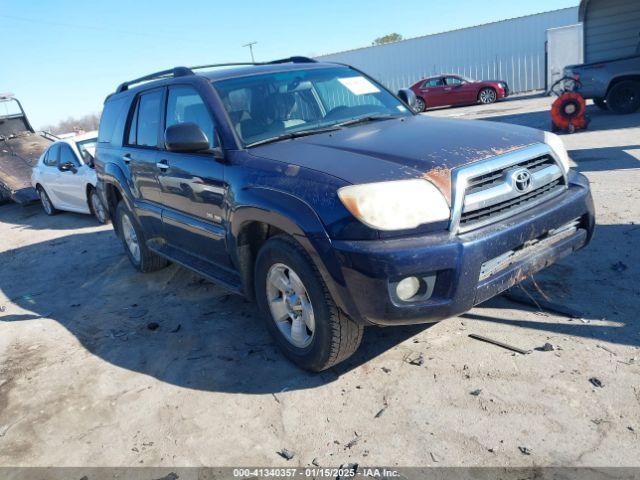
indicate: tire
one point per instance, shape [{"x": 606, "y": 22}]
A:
[
  {"x": 334, "y": 337},
  {"x": 97, "y": 208},
  {"x": 47, "y": 205},
  {"x": 624, "y": 97},
  {"x": 141, "y": 258},
  {"x": 421, "y": 105},
  {"x": 487, "y": 96},
  {"x": 601, "y": 103},
  {"x": 5, "y": 195}
]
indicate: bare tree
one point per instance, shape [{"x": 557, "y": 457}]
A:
[
  {"x": 85, "y": 123},
  {"x": 390, "y": 38}
]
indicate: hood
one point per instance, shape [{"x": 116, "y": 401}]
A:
[{"x": 411, "y": 147}]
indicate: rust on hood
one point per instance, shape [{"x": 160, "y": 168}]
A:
[{"x": 441, "y": 178}]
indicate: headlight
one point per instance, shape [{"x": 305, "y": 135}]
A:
[
  {"x": 396, "y": 205},
  {"x": 556, "y": 144}
]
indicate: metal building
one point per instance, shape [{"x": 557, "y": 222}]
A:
[
  {"x": 512, "y": 50},
  {"x": 611, "y": 28}
]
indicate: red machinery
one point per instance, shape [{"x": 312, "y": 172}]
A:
[{"x": 568, "y": 112}]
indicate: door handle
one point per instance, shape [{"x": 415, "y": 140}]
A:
[
  {"x": 162, "y": 165},
  {"x": 127, "y": 158}
]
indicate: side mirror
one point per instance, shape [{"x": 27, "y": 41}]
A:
[
  {"x": 68, "y": 167},
  {"x": 186, "y": 138},
  {"x": 408, "y": 97}
]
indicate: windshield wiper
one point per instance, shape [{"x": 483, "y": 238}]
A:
[
  {"x": 365, "y": 119},
  {"x": 290, "y": 135}
]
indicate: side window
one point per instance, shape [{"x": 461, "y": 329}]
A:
[
  {"x": 454, "y": 81},
  {"x": 51, "y": 159},
  {"x": 433, "y": 82},
  {"x": 184, "y": 105},
  {"x": 112, "y": 116},
  {"x": 143, "y": 129},
  {"x": 67, "y": 155}
]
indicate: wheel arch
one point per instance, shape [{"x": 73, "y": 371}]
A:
[
  {"x": 621, "y": 78},
  {"x": 265, "y": 213}
]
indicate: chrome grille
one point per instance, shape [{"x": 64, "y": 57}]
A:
[{"x": 488, "y": 191}]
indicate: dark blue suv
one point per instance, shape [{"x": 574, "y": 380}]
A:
[{"x": 312, "y": 189}]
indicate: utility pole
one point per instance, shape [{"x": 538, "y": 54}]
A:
[{"x": 250, "y": 45}]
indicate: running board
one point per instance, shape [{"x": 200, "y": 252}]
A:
[{"x": 216, "y": 274}]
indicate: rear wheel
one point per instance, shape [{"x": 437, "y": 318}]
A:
[
  {"x": 298, "y": 309},
  {"x": 421, "y": 106},
  {"x": 47, "y": 206},
  {"x": 97, "y": 208},
  {"x": 487, "y": 95},
  {"x": 624, "y": 97},
  {"x": 601, "y": 103},
  {"x": 133, "y": 240}
]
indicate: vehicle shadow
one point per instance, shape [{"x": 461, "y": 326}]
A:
[
  {"x": 183, "y": 330},
  {"x": 541, "y": 119},
  {"x": 170, "y": 324},
  {"x": 606, "y": 158},
  {"x": 32, "y": 217}
]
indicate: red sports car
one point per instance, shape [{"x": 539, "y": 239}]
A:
[{"x": 444, "y": 90}]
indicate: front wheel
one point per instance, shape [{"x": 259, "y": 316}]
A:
[
  {"x": 298, "y": 309},
  {"x": 487, "y": 96},
  {"x": 133, "y": 240},
  {"x": 421, "y": 106},
  {"x": 624, "y": 97}
]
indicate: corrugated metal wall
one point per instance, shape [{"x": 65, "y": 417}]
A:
[
  {"x": 611, "y": 29},
  {"x": 510, "y": 50}
]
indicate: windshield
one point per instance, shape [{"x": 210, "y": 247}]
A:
[
  {"x": 88, "y": 146},
  {"x": 277, "y": 104},
  {"x": 9, "y": 107}
]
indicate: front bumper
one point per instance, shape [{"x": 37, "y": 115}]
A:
[{"x": 367, "y": 267}]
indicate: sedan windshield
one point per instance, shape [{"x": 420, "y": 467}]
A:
[{"x": 276, "y": 106}]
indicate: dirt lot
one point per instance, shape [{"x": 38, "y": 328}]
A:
[{"x": 84, "y": 381}]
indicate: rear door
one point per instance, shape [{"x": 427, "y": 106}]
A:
[
  {"x": 192, "y": 184},
  {"x": 140, "y": 153},
  {"x": 432, "y": 91},
  {"x": 49, "y": 172}
]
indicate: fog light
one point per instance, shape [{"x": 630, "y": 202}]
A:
[{"x": 407, "y": 288}]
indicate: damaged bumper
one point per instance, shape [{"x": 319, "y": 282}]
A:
[{"x": 462, "y": 270}]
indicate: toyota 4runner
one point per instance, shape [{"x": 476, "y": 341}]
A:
[{"x": 312, "y": 189}]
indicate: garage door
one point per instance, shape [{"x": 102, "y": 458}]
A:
[{"x": 611, "y": 29}]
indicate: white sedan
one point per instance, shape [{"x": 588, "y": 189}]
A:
[{"x": 65, "y": 179}]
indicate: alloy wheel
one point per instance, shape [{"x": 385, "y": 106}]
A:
[
  {"x": 290, "y": 305},
  {"x": 130, "y": 237},
  {"x": 98, "y": 208},
  {"x": 487, "y": 96}
]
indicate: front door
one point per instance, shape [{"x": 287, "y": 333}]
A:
[
  {"x": 68, "y": 186},
  {"x": 140, "y": 153},
  {"x": 192, "y": 184},
  {"x": 459, "y": 90}
]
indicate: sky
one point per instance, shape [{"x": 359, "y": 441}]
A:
[{"x": 61, "y": 58}]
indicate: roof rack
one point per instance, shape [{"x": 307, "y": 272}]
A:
[{"x": 186, "y": 71}]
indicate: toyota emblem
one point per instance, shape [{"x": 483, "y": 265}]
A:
[{"x": 522, "y": 180}]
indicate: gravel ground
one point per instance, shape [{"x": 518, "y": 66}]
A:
[{"x": 85, "y": 381}]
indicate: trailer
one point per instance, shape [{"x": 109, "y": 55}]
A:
[{"x": 20, "y": 148}]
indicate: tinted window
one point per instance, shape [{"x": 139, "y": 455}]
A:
[
  {"x": 52, "y": 156},
  {"x": 133, "y": 126},
  {"x": 454, "y": 81},
  {"x": 433, "y": 82},
  {"x": 146, "y": 120},
  {"x": 184, "y": 105},
  {"x": 112, "y": 114},
  {"x": 67, "y": 155}
]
